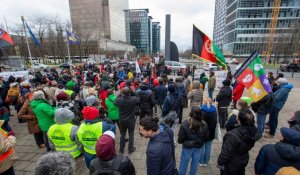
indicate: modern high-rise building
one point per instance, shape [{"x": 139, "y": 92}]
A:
[
  {"x": 242, "y": 26},
  {"x": 137, "y": 29},
  {"x": 99, "y": 18},
  {"x": 155, "y": 37}
]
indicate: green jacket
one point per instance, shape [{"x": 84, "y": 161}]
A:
[
  {"x": 44, "y": 113},
  {"x": 113, "y": 110}
]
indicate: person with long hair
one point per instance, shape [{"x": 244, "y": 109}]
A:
[
  {"x": 193, "y": 133},
  {"x": 209, "y": 112}
]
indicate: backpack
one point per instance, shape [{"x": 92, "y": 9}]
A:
[
  {"x": 170, "y": 118},
  {"x": 110, "y": 170}
]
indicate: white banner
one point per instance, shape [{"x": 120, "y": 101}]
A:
[
  {"x": 220, "y": 76},
  {"x": 16, "y": 74}
]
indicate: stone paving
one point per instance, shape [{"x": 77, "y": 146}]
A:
[{"x": 29, "y": 153}]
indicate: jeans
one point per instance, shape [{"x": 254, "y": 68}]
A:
[
  {"x": 210, "y": 93},
  {"x": 186, "y": 154},
  {"x": 261, "y": 118},
  {"x": 205, "y": 152},
  {"x": 273, "y": 121},
  {"x": 223, "y": 116},
  {"x": 124, "y": 126},
  {"x": 88, "y": 158}
]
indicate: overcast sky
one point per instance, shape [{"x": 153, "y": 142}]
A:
[{"x": 183, "y": 15}]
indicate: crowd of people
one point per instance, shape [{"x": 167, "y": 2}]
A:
[{"x": 76, "y": 113}]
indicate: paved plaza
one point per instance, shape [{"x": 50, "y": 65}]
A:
[{"x": 29, "y": 153}]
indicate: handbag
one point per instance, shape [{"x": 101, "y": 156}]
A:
[{"x": 218, "y": 134}]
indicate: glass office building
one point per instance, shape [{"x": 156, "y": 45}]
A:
[
  {"x": 242, "y": 26},
  {"x": 137, "y": 29},
  {"x": 155, "y": 37}
]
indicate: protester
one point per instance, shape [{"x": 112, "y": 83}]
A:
[
  {"x": 285, "y": 153},
  {"x": 26, "y": 113},
  {"x": 63, "y": 135},
  {"x": 55, "y": 163},
  {"x": 232, "y": 122},
  {"x": 209, "y": 112},
  {"x": 4, "y": 115},
  {"x": 211, "y": 84},
  {"x": 147, "y": 101},
  {"x": 280, "y": 97},
  {"x": 107, "y": 161},
  {"x": 193, "y": 133},
  {"x": 7, "y": 152},
  {"x": 112, "y": 109},
  {"x": 160, "y": 93},
  {"x": 294, "y": 122},
  {"x": 224, "y": 98},
  {"x": 196, "y": 95},
  {"x": 44, "y": 113},
  {"x": 262, "y": 108},
  {"x": 127, "y": 105},
  {"x": 161, "y": 149},
  {"x": 237, "y": 93},
  {"x": 203, "y": 80},
  {"x": 180, "y": 89},
  {"x": 90, "y": 131},
  {"x": 187, "y": 83},
  {"x": 236, "y": 145}
]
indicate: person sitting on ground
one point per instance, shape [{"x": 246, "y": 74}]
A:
[
  {"x": 107, "y": 161},
  {"x": 55, "y": 163},
  {"x": 285, "y": 153},
  {"x": 63, "y": 135}
]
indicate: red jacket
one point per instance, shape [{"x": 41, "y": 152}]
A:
[
  {"x": 238, "y": 91},
  {"x": 103, "y": 96}
]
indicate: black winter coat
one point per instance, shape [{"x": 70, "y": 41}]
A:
[
  {"x": 160, "y": 94},
  {"x": 159, "y": 153},
  {"x": 146, "y": 99},
  {"x": 272, "y": 157},
  {"x": 126, "y": 167},
  {"x": 237, "y": 143},
  {"x": 127, "y": 106},
  {"x": 224, "y": 97},
  {"x": 190, "y": 138},
  {"x": 264, "y": 105},
  {"x": 210, "y": 117}
]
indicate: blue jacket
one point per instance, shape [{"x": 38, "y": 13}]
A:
[
  {"x": 281, "y": 95},
  {"x": 273, "y": 157},
  {"x": 159, "y": 153},
  {"x": 173, "y": 100},
  {"x": 160, "y": 93},
  {"x": 121, "y": 74}
]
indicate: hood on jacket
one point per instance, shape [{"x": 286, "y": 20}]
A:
[
  {"x": 248, "y": 133},
  {"x": 175, "y": 99},
  {"x": 35, "y": 103},
  {"x": 288, "y": 151},
  {"x": 163, "y": 135},
  {"x": 63, "y": 115},
  {"x": 205, "y": 108},
  {"x": 288, "y": 86}
]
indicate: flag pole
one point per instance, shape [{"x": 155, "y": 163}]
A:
[
  {"x": 23, "y": 21},
  {"x": 68, "y": 47}
]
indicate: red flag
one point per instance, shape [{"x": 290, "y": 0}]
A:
[{"x": 5, "y": 39}]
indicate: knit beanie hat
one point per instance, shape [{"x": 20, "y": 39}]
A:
[
  {"x": 90, "y": 113},
  {"x": 92, "y": 101},
  {"x": 63, "y": 115},
  {"x": 105, "y": 146},
  {"x": 70, "y": 85},
  {"x": 62, "y": 96},
  {"x": 171, "y": 88},
  {"x": 247, "y": 99},
  {"x": 290, "y": 136}
]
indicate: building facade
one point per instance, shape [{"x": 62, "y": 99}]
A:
[
  {"x": 242, "y": 26},
  {"x": 99, "y": 18},
  {"x": 155, "y": 37}
]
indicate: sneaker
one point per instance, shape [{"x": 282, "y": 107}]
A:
[
  {"x": 200, "y": 164},
  {"x": 205, "y": 165},
  {"x": 131, "y": 151}
]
